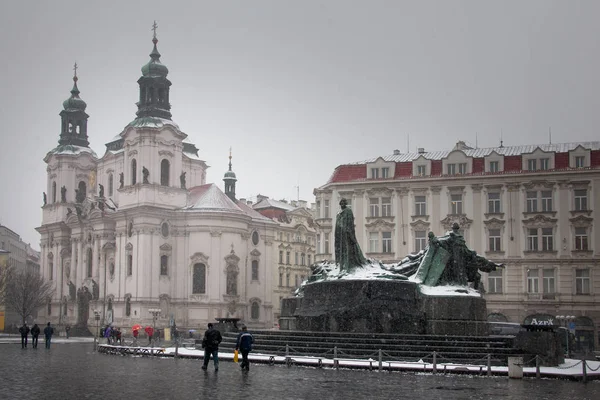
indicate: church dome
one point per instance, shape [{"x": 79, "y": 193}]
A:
[
  {"x": 230, "y": 175},
  {"x": 154, "y": 67},
  {"x": 74, "y": 103}
]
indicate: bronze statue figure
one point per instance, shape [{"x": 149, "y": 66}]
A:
[{"x": 348, "y": 254}]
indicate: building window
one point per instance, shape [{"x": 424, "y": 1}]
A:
[
  {"x": 287, "y": 279},
  {"x": 544, "y": 164},
  {"x": 456, "y": 204},
  {"x": 373, "y": 242},
  {"x": 494, "y": 203},
  {"x": 547, "y": 239},
  {"x": 308, "y": 259},
  {"x": 128, "y": 306},
  {"x": 580, "y": 199},
  {"x": 231, "y": 283},
  {"x": 531, "y": 201},
  {"x": 546, "y": 200},
  {"x": 582, "y": 281},
  {"x": 386, "y": 242},
  {"x": 420, "y": 240},
  {"x": 374, "y": 173},
  {"x": 326, "y": 243},
  {"x": 164, "y": 262},
  {"x": 385, "y": 172},
  {"x": 287, "y": 257},
  {"x": 495, "y": 240},
  {"x": 280, "y": 256},
  {"x": 281, "y": 279},
  {"x": 302, "y": 259},
  {"x": 129, "y": 264},
  {"x": 462, "y": 168},
  {"x": 548, "y": 277},
  {"x": 133, "y": 172},
  {"x": 296, "y": 258},
  {"x": 90, "y": 259},
  {"x": 318, "y": 209},
  {"x": 494, "y": 166},
  {"x": 199, "y": 279},
  {"x": 54, "y": 192},
  {"x": 374, "y": 207},
  {"x": 254, "y": 270},
  {"x": 532, "y": 165},
  {"x": 495, "y": 282},
  {"x": 326, "y": 209},
  {"x": 579, "y": 161},
  {"x": 451, "y": 169},
  {"x": 533, "y": 281},
  {"x": 532, "y": 239},
  {"x": 318, "y": 242},
  {"x": 386, "y": 206},
  {"x": 50, "y": 270},
  {"x": 254, "y": 310},
  {"x": 165, "y": 168},
  {"x": 421, "y": 170},
  {"x": 581, "y": 239},
  {"x": 111, "y": 184},
  {"x": 420, "y": 205}
]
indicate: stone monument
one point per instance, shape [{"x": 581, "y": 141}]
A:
[{"x": 437, "y": 291}]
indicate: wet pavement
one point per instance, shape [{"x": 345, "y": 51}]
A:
[{"x": 74, "y": 371}]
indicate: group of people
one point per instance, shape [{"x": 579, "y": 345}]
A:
[
  {"x": 111, "y": 334},
  {"x": 212, "y": 339},
  {"x": 35, "y": 332}
]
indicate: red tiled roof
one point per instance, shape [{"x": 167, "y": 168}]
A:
[{"x": 345, "y": 173}]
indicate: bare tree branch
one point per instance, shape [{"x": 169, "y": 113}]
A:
[
  {"x": 27, "y": 291},
  {"x": 5, "y": 272}
]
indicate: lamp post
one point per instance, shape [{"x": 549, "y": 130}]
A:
[
  {"x": 566, "y": 319},
  {"x": 155, "y": 313},
  {"x": 97, "y": 318}
]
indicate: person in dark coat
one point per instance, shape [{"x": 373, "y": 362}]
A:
[
  {"x": 210, "y": 344},
  {"x": 24, "y": 330},
  {"x": 48, "y": 332},
  {"x": 35, "y": 332},
  {"x": 244, "y": 344}
]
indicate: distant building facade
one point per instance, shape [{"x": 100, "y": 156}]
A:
[
  {"x": 139, "y": 228},
  {"x": 11, "y": 241},
  {"x": 295, "y": 245},
  {"x": 533, "y": 208}
]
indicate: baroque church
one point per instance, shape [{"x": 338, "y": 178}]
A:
[{"x": 140, "y": 229}]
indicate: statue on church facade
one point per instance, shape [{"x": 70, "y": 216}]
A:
[
  {"x": 121, "y": 180},
  {"x": 145, "y": 174},
  {"x": 182, "y": 180},
  {"x": 44, "y": 198},
  {"x": 101, "y": 191},
  {"x": 348, "y": 254}
]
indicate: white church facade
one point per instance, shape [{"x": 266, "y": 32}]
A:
[{"x": 139, "y": 228}]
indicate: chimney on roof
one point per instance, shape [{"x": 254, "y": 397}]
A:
[
  {"x": 260, "y": 198},
  {"x": 421, "y": 150},
  {"x": 396, "y": 152}
]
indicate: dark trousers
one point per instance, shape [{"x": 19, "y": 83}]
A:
[
  {"x": 34, "y": 341},
  {"x": 48, "y": 339},
  {"x": 215, "y": 354},
  {"x": 23, "y": 341},
  {"x": 245, "y": 362}
]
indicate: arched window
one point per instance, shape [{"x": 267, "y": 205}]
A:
[
  {"x": 128, "y": 306},
  {"x": 254, "y": 310},
  {"x": 254, "y": 270},
  {"x": 89, "y": 262},
  {"x": 50, "y": 266},
  {"x": 164, "y": 172},
  {"x": 129, "y": 264},
  {"x": 110, "y": 184},
  {"x": 302, "y": 259},
  {"x": 199, "y": 279},
  {"x": 54, "y": 192},
  {"x": 133, "y": 172},
  {"x": 164, "y": 262}
]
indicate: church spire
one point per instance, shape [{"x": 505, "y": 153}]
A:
[
  {"x": 230, "y": 181},
  {"x": 73, "y": 118},
  {"x": 154, "y": 86}
]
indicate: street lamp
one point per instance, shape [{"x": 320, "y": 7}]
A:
[
  {"x": 566, "y": 319},
  {"x": 155, "y": 313},
  {"x": 97, "y": 318}
]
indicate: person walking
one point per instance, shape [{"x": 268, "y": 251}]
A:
[
  {"x": 24, "y": 330},
  {"x": 48, "y": 332},
  {"x": 67, "y": 330},
  {"x": 136, "y": 332},
  {"x": 35, "y": 332},
  {"x": 210, "y": 344},
  {"x": 244, "y": 344}
]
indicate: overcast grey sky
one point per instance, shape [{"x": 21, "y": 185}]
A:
[{"x": 296, "y": 87}]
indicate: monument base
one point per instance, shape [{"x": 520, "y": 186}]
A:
[{"x": 382, "y": 306}]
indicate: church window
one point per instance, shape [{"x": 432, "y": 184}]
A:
[
  {"x": 164, "y": 229},
  {"x": 231, "y": 282},
  {"x": 164, "y": 172},
  {"x": 50, "y": 265},
  {"x": 129, "y": 264},
  {"x": 254, "y": 270},
  {"x": 302, "y": 259},
  {"x": 110, "y": 184},
  {"x": 164, "y": 262},
  {"x": 199, "y": 279},
  {"x": 130, "y": 229},
  {"x": 255, "y": 238},
  {"x": 128, "y": 306},
  {"x": 54, "y": 192},
  {"x": 90, "y": 258},
  {"x": 254, "y": 310},
  {"x": 133, "y": 172}
]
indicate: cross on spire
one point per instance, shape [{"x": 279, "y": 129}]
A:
[
  {"x": 75, "y": 69},
  {"x": 154, "y": 28}
]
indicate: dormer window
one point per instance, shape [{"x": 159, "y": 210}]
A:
[
  {"x": 385, "y": 172},
  {"x": 494, "y": 166},
  {"x": 374, "y": 173},
  {"x": 453, "y": 168},
  {"x": 532, "y": 165},
  {"x": 544, "y": 164},
  {"x": 421, "y": 170},
  {"x": 579, "y": 161}
]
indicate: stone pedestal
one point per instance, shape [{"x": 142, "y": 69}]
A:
[
  {"x": 455, "y": 315},
  {"x": 545, "y": 344}
]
